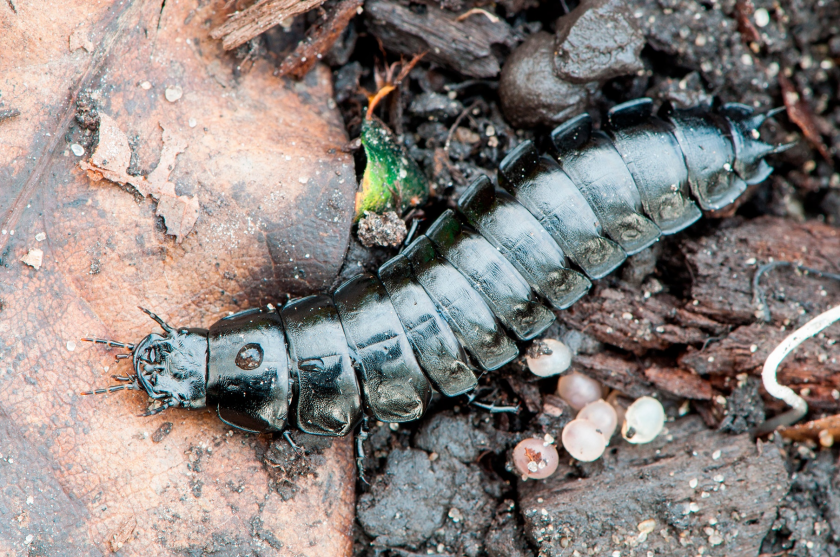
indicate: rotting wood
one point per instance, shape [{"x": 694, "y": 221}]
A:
[
  {"x": 320, "y": 38},
  {"x": 243, "y": 26},
  {"x": 719, "y": 333},
  {"x": 638, "y": 322},
  {"x": 616, "y": 372},
  {"x": 466, "y": 46},
  {"x": 815, "y": 430},
  {"x": 688, "y": 488},
  {"x": 679, "y": 382}
]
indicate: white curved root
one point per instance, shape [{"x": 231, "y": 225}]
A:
[{"x": 768, "y": 375}]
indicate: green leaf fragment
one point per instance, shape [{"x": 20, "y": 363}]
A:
[{"x": 392, "y": 180}]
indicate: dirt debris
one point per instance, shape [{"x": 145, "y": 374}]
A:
[
  {"x": 383, "y": 230},
  {"x": 7, "y": 113},
  {"x": 439, "y": 500},
  {"x": 807, "y": 522},
  {"x": 286, "y": 464},
  {"x": 34, "y": 258}
]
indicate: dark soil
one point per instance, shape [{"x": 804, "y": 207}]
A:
[{"x": 443, "y": 486}]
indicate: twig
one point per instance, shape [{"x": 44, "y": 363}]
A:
[
  {"x": 798, "y": 406},
  {"x": 800, "y": 114},
  {"x": 759, "y": 298},
  {"x": 455, "y": 125},
  {"x": 391, "y": 83}
]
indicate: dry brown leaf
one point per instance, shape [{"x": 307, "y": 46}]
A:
[
  {"x": 112, "y": 158},
  {"x": 82, "y": 467}
]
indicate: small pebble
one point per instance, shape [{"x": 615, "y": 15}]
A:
[
  {"x": 535, "y": 459},
  {"x": 647, "y": 526},
  {"x": 146, "y": 85},
  {"x": 71, "y": 346},
  {"x": 77, "y": 149},
  {"x": 172, "y": 94},
  {"x": 643, "y": 420},
  {"x": 40, "y": 236},
  {"x": 761, "y": 17},
  {"x": 552, "y": 358},
  {"x": 716, "y": 455},
  {"x": 192, "y": 122}
]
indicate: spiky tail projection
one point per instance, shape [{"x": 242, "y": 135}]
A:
[{"x": 480, "y": 279}]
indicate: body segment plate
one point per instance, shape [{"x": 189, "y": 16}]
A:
[
  {"x": 329, "y": 399},
  {"x": 394, "y": 387}
]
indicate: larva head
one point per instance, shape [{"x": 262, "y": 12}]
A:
[{"x": 171, "y": 368}]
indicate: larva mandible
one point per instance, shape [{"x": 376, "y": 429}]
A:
[{"x": 461, "y": 295}]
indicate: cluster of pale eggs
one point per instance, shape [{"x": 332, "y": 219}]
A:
[{"x": 587, "y": 436}]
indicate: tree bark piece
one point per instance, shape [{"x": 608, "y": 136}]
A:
[
  {"x": 320, "y": 38},
  {"x": 465, "y": 46},
  {"x": 679, "y": 382},
  {"x": 689, "y": 488},
  {"x": 243, "y": 26},
  {"x": 723, "y": 266},
  {"x": 87, "y": 474},
  {"x": 636, "y": 322},
  {"x": 616, "y": 372}
]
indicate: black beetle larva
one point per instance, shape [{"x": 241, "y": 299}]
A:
[{"x": 460, "y": 296}]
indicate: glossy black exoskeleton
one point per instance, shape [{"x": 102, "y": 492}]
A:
[{"x": 462, "y": 294}]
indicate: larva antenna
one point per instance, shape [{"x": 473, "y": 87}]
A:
[
  {"x": 110, "y": 343},
  {"x": 129, "y": 383},
  {"x": 163, "y": 325}
]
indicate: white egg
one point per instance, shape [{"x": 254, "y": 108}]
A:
[
  {"x": 578, "y": 390},
  {"x": 602, "y": 414},
  {"x": 583, "y": 441},
  {"x": 643, "y": 420},
  {"x": 546, "y": 365}
]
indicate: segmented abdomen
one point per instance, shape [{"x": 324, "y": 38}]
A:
[{"x": 461, "y": 295}]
